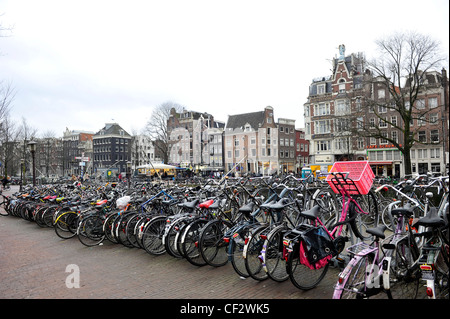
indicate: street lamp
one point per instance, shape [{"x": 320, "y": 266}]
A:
[
  {"x": 32, "y": 146},
  {"x": 128, "y": 173},
  {"x": 22, "y": 166}
]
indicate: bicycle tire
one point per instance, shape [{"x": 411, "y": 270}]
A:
[
  {"x": 66, "y": 225},
  {"x": 190, "y": 242},
  {"x": 302, "y": 276},
  {"x": 120, "y": 231},
  {"x": 404, "y": 273},
  {"x": 236, "y": 250},
  {"x": 213, "y": 247},
  {"x": 90, "y": 231},
  {"x": 252, "y": 253},
  {"x": 152, "y": 236},
  {"x": 130, "y": 230},
  {"x": 362, "y": 222},
  {"x": 273, "y": 255},
  {"x": 38, "y": 216},
  {"x": 170, "y": 237},
  {"x": 108, "y": 228},
  {"x": 355, "y": 281}
]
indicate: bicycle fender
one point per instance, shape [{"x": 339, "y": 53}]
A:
[{"x": 386, "y": 271}]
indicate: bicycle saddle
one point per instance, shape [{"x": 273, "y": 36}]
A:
[
  {"x": 406, "y": 210},
  {"x": 377, "y": 231},
  {"x": 432, "y": 219},
  {"x": 312, "y": 214}
]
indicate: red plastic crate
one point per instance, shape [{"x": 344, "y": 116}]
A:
[{"x": 359, "y": 172}]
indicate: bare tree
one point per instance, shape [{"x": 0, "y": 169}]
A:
[
  {"x": 157, "y": 128},
  {"x": 7, "y": 94},
  {"x": 9, "y": 148},
  {"x": 399, "y": 69}
]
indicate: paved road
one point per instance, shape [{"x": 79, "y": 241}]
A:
[{"x": 33, "y": 263}]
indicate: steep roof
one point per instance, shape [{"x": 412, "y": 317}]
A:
[
  {"x": 112, "y": 129},
  {"x": 239, "y": 120}
]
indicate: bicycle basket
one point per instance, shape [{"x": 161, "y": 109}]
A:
[
  {"x": 316, "y": 248},
  {"x": 358, "y": 181}
]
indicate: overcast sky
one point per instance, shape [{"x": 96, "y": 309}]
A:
[{"x": 80, "y": 64}]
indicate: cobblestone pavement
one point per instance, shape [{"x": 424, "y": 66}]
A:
[{"x": 33, "y": 263}]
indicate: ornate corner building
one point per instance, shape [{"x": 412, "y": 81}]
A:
[{"x": 337, "y": 105}]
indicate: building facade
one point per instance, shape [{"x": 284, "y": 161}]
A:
[
  {"x": 251, "y": 143},
  {"x": 286, "y": 145},
  {"x": 195, "y": 141},
  {"x": 351, "y": 100},
  {"x": 301, "y": 150},
  {"x": 77, "y": 144},
  {"x": 331, "y": 101},
  {"x": 111, "y": 151}
]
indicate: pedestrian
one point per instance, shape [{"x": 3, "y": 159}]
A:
[{"x": 5, "y": 181}]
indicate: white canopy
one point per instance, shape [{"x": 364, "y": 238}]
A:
[{"x": 157, "y": 166}]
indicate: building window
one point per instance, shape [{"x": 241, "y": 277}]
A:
[
  {"x": 379, "y": 155},
  {"x": 394, "y": 136},
  {"x": 342, "y": 107},
  {"x": 382, "y": 109},
  {"x": 322, "y": 127},
  {"x": 434, "y": 117},
  {"x": 432, "y": 102},
  {"x": 323, "y": 145},
  {"x": 422, "y": 153},
  {"x": 381, "y": 93},
  {"x": 435, "y": 167},
  {"x": 422, "y": 136},
  {"x": 360, "y": 143},
  {"x": 388, "y": 155},
  {"x": 420, "y": 104},
  {"x": 384, "y": 140},
  {"x": 394, "y": 120},
  {"x": 321, "y": 89},
  {"x": 435, "y": 153},
  {"x": 342, "y": 86},
  {"x": 434, "y": 136}
]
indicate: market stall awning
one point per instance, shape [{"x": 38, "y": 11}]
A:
[
  {"x": 380, "y": 163},
  {"x": 157, "y": 166}
]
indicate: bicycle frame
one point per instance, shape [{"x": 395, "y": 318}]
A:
[{"x": 376, "y": 272}]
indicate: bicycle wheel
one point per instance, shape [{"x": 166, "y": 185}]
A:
[
  {"x": 236, "y": 250},
  {"x": 90, "y": 231},
  {"x": 329, "y": 204},
  {"x": 38, "y": 216},
  {"x": 108, "y": 228},
  {"x": 404, "y": 273},
  {"x": 66, "y": 225},
  {"x": 362, "y": 222},
  {"x": 212, "y": 244},
  {"x": 273, "y": 256},
  {"x": 302, "y": 276},
  {"x": 170, "y": 237},
  {"x": 190, "y": 242},
  {"x": 120, "y": 230},
  {"x": 152, "y": 236},
  {"x": 130, "y": 230},
  {"x": 355, "y": 286},
  {"x": 252, "y": 254},
  {"x": 441, "y": 274}
]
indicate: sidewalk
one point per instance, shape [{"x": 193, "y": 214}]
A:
[{"x": 33, "y": 264}]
